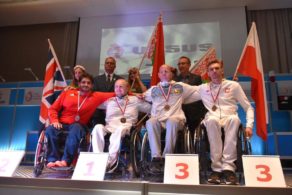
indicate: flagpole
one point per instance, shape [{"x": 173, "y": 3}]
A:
[
  {"x": 55, "y": 56},
  {"x": 148, "y": 44}
]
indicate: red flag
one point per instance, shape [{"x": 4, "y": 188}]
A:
[
  {"x": 250, "y": 64},
  {"x": 54, "y": 83},
  {"x": 200, "y": 68},
  {"x": 156, "y": 51}
]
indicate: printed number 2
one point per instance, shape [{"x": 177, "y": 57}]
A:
[
  {"x": 3, "y": 163},
  {"x": 265, "y": 171},
  {"x": 183, "y": 170}
]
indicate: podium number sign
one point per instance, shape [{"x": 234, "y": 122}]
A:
[
  {"x": 263, "y": 171},
  {"x": 9, "y": 161},
  {"x": 90, "y": 166},
  {"x": 181, "y": 169}
]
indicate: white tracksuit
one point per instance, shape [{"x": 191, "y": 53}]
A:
[
  {"x": 225, "y": 116},
  {"x": 114, "y": 124},
  {"x": 172, "y": 119}
]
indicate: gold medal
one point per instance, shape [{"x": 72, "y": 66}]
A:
[
  {"x": 77, "y": 118},
  {"x": 214, "y": 108},
  {"x": 166, "y": 107},
  {"x": 123, "y": 120}
]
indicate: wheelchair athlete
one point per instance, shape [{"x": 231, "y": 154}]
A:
[
  {"x": 71, "y": 112},
  {"x": 121, "y": 114},
  {"x": 167, "y": 98},
  {"x": 220, "y": 97}
]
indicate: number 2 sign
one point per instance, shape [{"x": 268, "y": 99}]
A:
[
  {"x": 263, "y": 171},
  {"x": 9, "y": 160},
  {"x": 181, "y": 169}
]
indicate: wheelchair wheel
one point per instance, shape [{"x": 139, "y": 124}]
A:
[
  {"x": 188, "y": 142},
  {"x": 40, "y": 155},
  {"x": 135, "y": 152}
]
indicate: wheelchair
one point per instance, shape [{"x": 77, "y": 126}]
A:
[
  {"x": 201, "y": 147},
  {"x": 184, "y": 145},
  {"x": 128, "y": 161},
  {"x": 40, "y": 160}
]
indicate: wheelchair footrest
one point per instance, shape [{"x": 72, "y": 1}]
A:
[{"x": 62, "y": 168}]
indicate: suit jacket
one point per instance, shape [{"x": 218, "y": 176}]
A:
[
  {"x": 100, "y": 83},
  {"x": 196, "y": 111}
]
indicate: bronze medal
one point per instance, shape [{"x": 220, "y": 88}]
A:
[
  {"x": 166, "y": 107},
  {"x": 123, "y": 120},
  {"x": 77, "y": 118},
  {"x": 214, "y": 108}
]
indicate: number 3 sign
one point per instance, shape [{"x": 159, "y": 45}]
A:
[
  {"x": 263, "y": 171},
  {"x": 181, "y": 169}
]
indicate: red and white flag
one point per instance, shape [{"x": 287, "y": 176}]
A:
[
  {"x": 200, "y": 68},
  {"x": 154, "y": 53},
  {"x": 54, "y": 83},
  {"x": 250, "y": 64}
]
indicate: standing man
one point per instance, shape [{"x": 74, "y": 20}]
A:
[
  {"x": 105, "y": 83},
  {"x": 167, "y": 98},
  {"x": 71, "y": 112},
  {"x": 220, "y": 97},
  {"x": 121, "y": 114},
  {"x": 195, "y": 111}
]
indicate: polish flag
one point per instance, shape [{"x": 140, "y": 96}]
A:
[{"x": 250, "y": 64}]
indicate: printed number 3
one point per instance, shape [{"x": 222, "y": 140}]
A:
[
  {"x": 183, "y": 170},
  {"x": 265, "y": 171}
]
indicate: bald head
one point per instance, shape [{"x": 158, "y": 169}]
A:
[
  {"x": 165, "y": 74},
  {"x": 121, "y": 87}
]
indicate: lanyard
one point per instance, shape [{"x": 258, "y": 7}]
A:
[
  {"x": 216, "y": 97},
  {"x": 166, "y": 97},
  {"x": 78, "y": 101},
  {"x": 122, "y": 110}
]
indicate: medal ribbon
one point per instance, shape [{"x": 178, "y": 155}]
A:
[
  {"x": 78, "y": 101},
  {"x": 166, "y": 97},
  {"x": 122, "y": 110},
  {"x": 214, "y": 98}
]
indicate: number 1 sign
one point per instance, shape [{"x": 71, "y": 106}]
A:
[
  {"x": 9, "y": 160},
  {"x": 263, "y": 171},
  {"x": 90, "y": 166},
  {"x": 181, "y": 169}
]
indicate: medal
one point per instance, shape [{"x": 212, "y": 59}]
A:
[
  {"x": 77, "y": 118},
  {"x": 166, "y": 97},
  {"x": 214, "y": 108},
  {"x": 166, "y": 107},
  {"x": 123, "y": 120}
]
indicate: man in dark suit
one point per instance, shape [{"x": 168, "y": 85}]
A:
[
  {"x": 105, "y": 83},
  {"x": 196, "y": 111}
]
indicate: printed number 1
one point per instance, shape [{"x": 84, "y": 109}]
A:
[
  {"x": 183, "y": 170},
  {"x": 268, "y": 176},
  {"x": 89, "y": 170},
  {"x": 3, "y": 163}
]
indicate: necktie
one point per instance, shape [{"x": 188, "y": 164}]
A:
[{"x": 108, "y": 78}]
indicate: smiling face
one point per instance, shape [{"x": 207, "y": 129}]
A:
[
  {"x": 165, "y": 74},
  {"x": 184, "y": 65},
  {"x": 77, "y": 73},
  {"x": 85, "y": 84},
  {"x": 121, "y": 87}
]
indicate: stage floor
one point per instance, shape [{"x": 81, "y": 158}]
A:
[{"x": 27, "y": 172}]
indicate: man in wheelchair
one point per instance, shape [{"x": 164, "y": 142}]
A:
[
  {"x": 220, "y": 97},
  {"x": 167, "y": 98},
  {"x": 121, "y": 114},
  {"x": 71, "y": 112}
]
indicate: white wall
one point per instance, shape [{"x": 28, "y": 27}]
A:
[{"x": 231, "y": 20}]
